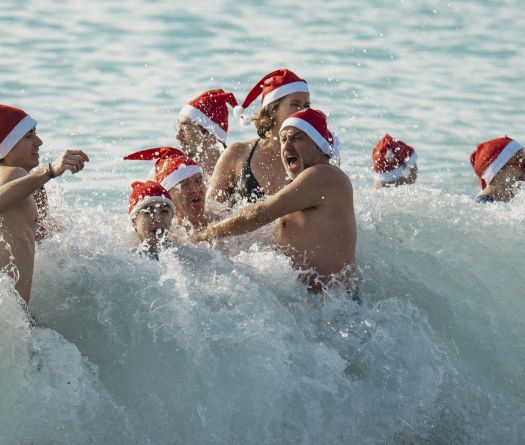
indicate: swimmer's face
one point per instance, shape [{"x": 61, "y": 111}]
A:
[
  {"x": 153, "y": 221},
  {"x": 408, "y": 178},
  {"x": 25, "y": 153},
  {"x": 192, "y": 136},
  {"x": 289, "y": 105},
  {"x": 515, "y": 168},
  {"x": 189, "y": 197},
  {"x": 298, "y": 151}
]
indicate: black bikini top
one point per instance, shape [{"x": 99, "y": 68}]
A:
[{"x": 247, "y": 185}]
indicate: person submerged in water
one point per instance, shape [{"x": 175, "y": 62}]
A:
[
  {"x": 314, "y": 213},
  {"x": 393, "y": 163},
  {"x": 183, "y": 179},
  {"x": 250, "y": 170},
  {"x": 22, "y": 196},
  {"x": 202, "y": 127},
  {"x": 151, "y": 211},
  {"x": 500, "y": 165}
]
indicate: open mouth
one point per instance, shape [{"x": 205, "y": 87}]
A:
[{"x": 292, "y": 160}]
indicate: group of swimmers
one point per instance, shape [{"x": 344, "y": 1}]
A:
[{"x": 289, "y": 175}]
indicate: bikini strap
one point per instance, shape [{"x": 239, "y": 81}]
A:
[{"x": 249, "y": 160}]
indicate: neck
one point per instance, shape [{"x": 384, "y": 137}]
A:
[
  {"x": 275, "y": 133},
  {"x": 5, "y": 163}
]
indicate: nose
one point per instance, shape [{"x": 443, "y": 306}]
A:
[
  {"x": 38, "y": 141},
  {"x": 155, "y": 217}
]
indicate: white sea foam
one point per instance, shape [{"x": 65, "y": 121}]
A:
[
  {"x": 203, "y": 348},
  {"x": 208, "y": 347}
]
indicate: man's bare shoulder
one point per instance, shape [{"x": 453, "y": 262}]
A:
[
  {"x": 325, "y": 174},
  {"x": 8, "y": 174}
]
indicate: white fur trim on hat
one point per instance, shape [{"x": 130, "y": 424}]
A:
[
  {"x": 179, "y": 175},
  {"x": 310, "y": 130},
  {"x": 238, "y": 111},
  {"x": 200, "y": 118},
  {"x": 151, "y": 200},
  {"x": 505, "y": 156},
  {"x": 392, "y": 175},
  {"x": 284, "y": 90},
  {"x": 17, "y": 133}
]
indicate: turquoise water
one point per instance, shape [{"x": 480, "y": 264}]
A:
[{"x": 226, "y": 347}]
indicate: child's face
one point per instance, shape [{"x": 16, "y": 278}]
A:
[{"x": 153, "y": 221}]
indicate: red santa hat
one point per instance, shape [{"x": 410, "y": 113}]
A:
[
  {"x": 14, "y": 124},
  {"x": 147, "y": 193},
  {"x": 172, "y": 165},
  {"x": 209, "y": 110},
  {"x": 314, "y": 124},
  {"x": 392, "y": 159},
  {"x": 491, "y": 156},
  {"x": 273, "y": 86}
]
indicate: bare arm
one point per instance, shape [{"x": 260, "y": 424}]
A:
[
  {"x": 16, "y": 184},
  {"x": 224, "y": 174},
  {"x": 306, "y": 191}
]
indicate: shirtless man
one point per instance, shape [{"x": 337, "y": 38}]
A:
[
  {"x": 151, "y": 211},
  {"x": 314, "y": 213},
  {"x": 19, "y": 146},
  {"x": 202, "y": 127},
  {"x": 183, "y": 179},
  {"x": 500, "y": 164}
]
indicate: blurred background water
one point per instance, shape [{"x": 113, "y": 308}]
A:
[{"x": 206, "y": 347}]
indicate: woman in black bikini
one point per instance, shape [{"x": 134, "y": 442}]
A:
[{"x": 250, "y": 170}]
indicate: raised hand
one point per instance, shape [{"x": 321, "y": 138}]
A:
[{"x": 72, "y": 160}]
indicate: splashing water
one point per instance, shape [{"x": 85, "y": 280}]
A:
[{"x": 227, "y": 347}]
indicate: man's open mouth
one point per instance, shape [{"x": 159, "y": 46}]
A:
[{"x": 292, "y": 160}]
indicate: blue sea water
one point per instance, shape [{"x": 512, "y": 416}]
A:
[{"x": 209, "y": 346}]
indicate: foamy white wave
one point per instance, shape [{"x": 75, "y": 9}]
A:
[
  {"x": 226, "y": 346},
  {"x": 205, "y": 348}
]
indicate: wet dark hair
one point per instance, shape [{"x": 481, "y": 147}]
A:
[{"x": 264, "y": 120}]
